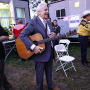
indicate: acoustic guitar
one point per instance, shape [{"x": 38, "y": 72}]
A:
[{"x": 38, "y": 40}]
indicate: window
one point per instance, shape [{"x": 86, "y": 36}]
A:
[
  {"x": 60, "y": 13},
  {"x": 63, "y": 12},
  {"x": 57, "y": 13},
  {"x": 20, "y": 12},
  {"x": 4, "y": 14}
]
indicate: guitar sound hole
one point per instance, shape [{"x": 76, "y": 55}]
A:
[{"x": 35, "y": 42}]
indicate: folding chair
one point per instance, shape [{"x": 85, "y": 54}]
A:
[
  {"x": 66, "y": 42},
  {"x": 64, "y": 58},
  {"x": 61, "y": 49}
]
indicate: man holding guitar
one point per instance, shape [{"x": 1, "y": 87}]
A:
[{"x": 43, "y": 60}]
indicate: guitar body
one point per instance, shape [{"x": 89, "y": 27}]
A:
[{"x": 21, "y": 48}]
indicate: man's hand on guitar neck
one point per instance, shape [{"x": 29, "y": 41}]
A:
[
  {"x": 37, "y": 50},
  {"x": 52, "y": 34}
]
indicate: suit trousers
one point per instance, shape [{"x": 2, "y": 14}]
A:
[
  {"x": 83, "y": 43},
  {"x": 40, "y": 67},
  {"x": 3, "y": 79}
]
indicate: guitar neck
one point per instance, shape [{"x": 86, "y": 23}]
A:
[
  {"x": 50, "y": 39},
  {"x": 70, "y": 33}
]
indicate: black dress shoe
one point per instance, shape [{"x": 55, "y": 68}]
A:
[{"x": 85, "y": 64}]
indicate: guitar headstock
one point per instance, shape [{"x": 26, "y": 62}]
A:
[{"x": 71, "y": 33}]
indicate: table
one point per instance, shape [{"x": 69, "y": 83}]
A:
[
  {"x": 73, "y": 39},
  {"x": 9, "y": 46}
]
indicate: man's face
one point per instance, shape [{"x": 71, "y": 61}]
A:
[
  {"x": 44, "y": 12},
  {"x": 55, "y": 23},
  {"x": 89, "y": 18},
  {"x": 49, "y": 19}
]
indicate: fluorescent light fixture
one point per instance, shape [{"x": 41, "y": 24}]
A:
[{"x": 3, "y": 5}]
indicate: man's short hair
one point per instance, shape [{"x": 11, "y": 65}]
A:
[
  {"x": 55, "y": 20},
  {"x": 49, "y": 18},
  {"x": 20, "y": 21},
  {"x": 39, "y": 7}
]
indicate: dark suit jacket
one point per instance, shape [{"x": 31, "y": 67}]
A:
[
  {"x": 36, "y": 26},
  {"x": 56, "y": 29}
]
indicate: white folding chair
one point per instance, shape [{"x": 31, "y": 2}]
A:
[
  {"x": 66, "y": 42},
  {"x": 64, "y": 58},
  {"x": 61, "y": 49}
]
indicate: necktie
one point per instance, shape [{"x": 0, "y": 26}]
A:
[
  {"x": 47, "y": 31},
  {"x": 45, "y": 24}
]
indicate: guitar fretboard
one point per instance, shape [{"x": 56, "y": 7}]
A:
[
  {"x": 50, "y": 39},
  {"x": 56, "y": 37},
  {"x": 70, "y": 33}
]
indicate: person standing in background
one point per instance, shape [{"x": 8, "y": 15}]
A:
[
  {"x": 49, "y": 19},
  {"x": 56, "y": 29},
  {"x": 3, "y": 80},
  {"x": 84, "y": 33},
  {"x": 17, "y": 30}
]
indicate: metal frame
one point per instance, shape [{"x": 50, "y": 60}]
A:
[{"x": 9, "y": 46}]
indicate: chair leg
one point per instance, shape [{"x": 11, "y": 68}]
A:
[
  {"x": 73, "y": 66},
  {"x": 63, "y": 65},
  {"x": 10, "y": 52},
  {"x": 59, "y": 68},
  {"x": 57, "y": 60},
  {"x": 63, "y": 68}
]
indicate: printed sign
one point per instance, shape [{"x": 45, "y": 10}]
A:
[{"x": 74, "y": 21}]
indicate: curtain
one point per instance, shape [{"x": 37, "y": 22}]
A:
[
  {"x": 4, "y": 21},
  {"x": 20, "y": 13}
]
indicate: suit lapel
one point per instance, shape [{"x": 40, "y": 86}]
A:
[
  {"x": 50, "y": 27},
  {"x": 40, "y": 23},
  {"x": 42, "y": 26}
]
